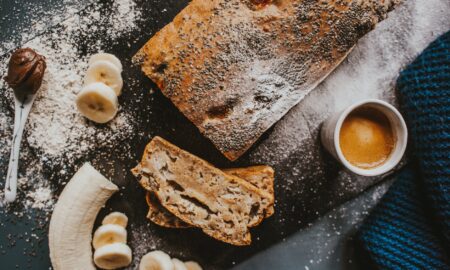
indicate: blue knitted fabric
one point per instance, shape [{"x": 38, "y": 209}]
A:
[{"x": 410, "y": 227}]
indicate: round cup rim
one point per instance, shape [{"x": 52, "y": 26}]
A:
[{"x": 392, "y": 162}]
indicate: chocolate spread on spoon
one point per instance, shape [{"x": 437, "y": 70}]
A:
[{"x": 25, "y": 72}]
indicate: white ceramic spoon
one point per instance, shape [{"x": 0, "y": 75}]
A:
[{"x": 22, "y": 109}]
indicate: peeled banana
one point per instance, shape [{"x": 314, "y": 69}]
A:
[
  {"x": 73, "y": 219},
  {"x": 97, "y": 102},
  {"x": 113, "y": 256},
  {"x": 105, "y": 72}
]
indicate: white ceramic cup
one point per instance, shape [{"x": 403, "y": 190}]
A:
[{"x": 331, "y": 129}]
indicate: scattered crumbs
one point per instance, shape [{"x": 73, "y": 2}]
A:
[{"x": 37, "y": 21}]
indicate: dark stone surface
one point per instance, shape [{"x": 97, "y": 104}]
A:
[
  {"x": 20, "y": 16},
  {"x": 329, "y": 243}
]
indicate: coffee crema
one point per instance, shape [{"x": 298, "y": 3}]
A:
[{"x": 366, "y": 138}]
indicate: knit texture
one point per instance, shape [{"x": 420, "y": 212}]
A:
[{"x": 410, "y": 227}]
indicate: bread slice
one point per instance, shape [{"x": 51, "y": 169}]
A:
[
  {"x": 222, "y": 205},
  {"x": 259, "y": 176},
  {"x": 262, "y": 177},
  {"x": 160, "y": 215},
  {"x": 235, "y": 67}
]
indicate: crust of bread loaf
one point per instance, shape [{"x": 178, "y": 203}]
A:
[
  {"x": 234, "y": 68},
  {"x": 222, "y": 205},
  {"x": 260, "y": 176}
]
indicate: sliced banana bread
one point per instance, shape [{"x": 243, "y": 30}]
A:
[
  {"x": 222, "y": 205},
  {"x": 160, "y": 215},
  {"x": 259, "y": 176}
]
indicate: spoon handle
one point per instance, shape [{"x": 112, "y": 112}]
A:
[{"x": 22, "y": 109}]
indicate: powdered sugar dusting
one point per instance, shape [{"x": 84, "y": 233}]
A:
[
  {"x": 41, "y": 198},
  {"x": 35, "y": 190},
  {"x": 56, "y": 136},
  {"x": 36, "y": 22},
  {"x": 125, "y": 17},
  {"x": 328, "y": 239},
  {"x": 140, "y": 246},
  {"x": 55, "y": 129}
]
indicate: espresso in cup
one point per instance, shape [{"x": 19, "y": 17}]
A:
[
  {"x": 369, "y": 137},
  {"x": 366, "y": 138}
]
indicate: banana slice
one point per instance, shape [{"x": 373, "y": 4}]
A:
[
  {"x": 113, "y": 256},
  {"x": 116, "y": 218},
  {"x": 109, "y": 234},
  {"x": 156, "y": 260},
  {"x": 106, "y": 57},
  {"x": 191, "y": 265},
  {"x": 97, "y": 102},
  {"x": 178, "y": 265},
  {"x": 105, "y": 72}
]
